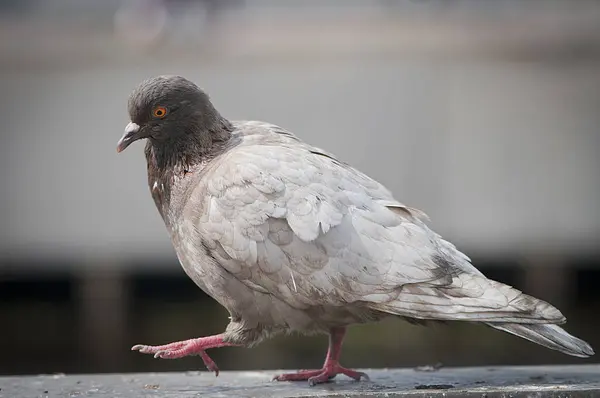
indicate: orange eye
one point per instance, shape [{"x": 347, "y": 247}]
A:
[{"x": 159, "y": 112}]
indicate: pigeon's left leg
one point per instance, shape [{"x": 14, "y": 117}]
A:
[
  {"x": 185, "y": 348},
  {"x": 332, "y": 366}
]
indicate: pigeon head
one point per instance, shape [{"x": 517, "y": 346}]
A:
[{"x": 171, "y": 109}]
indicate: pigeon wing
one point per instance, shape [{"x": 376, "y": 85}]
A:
[{"x": 292, "y": 221}]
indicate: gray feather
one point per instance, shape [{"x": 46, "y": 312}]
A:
[{"x": 549, "y": 336}]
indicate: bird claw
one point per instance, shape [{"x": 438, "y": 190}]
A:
[
  {"x": 161, "y": 354},
  {"x": 324, "y": 375},
  {"x": 178, "y": 350},
  {"x": 149, "y": 349},
  {"x": 209, "y": 363},
  {"x": 328, "y": 375}
]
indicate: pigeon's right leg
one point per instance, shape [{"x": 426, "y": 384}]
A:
[{"x": 189, "y": 347}]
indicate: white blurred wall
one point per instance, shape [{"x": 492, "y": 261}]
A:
[{"x": 499, "y": 145}]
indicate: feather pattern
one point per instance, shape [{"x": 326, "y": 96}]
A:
[{"x": 313, "y": 243}]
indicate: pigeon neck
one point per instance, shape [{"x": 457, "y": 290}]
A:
[
  {"x": 194, "y": 146},
  {"x": 171, "y": 160}
]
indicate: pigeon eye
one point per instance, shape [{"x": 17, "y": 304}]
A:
[{"x": 159, "y": 112}]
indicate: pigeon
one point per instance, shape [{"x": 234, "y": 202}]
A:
[{"x": 288, "y": 238}]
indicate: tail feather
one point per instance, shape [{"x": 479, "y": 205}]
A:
[{"x": 550, "y": 336}]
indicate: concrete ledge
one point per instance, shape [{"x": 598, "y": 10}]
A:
[{"x": 540, "y": 381}]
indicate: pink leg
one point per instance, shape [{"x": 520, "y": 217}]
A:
[
  {"x": 330, "y": 369},
  {"x": 185, "y": 348}
]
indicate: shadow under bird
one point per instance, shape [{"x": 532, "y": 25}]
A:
[{"x": 288, "y": 238}]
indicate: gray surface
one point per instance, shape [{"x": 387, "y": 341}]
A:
[{"x": 543, "y": 381}]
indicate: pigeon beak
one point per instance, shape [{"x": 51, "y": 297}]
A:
[{"x": 131, "y": 134}]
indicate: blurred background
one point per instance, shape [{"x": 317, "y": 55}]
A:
[{"x": 484, "y": 114}]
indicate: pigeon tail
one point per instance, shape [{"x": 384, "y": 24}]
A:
[{"x": 549, "y": 336}]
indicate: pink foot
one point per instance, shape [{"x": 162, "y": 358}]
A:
[
  {"x": 331, "y": 368},
  {"x": 315, "y": 377},
  {"x": 185, "y": 348}
]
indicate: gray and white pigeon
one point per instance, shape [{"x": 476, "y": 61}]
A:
[{"x": 288, "y": 238}]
